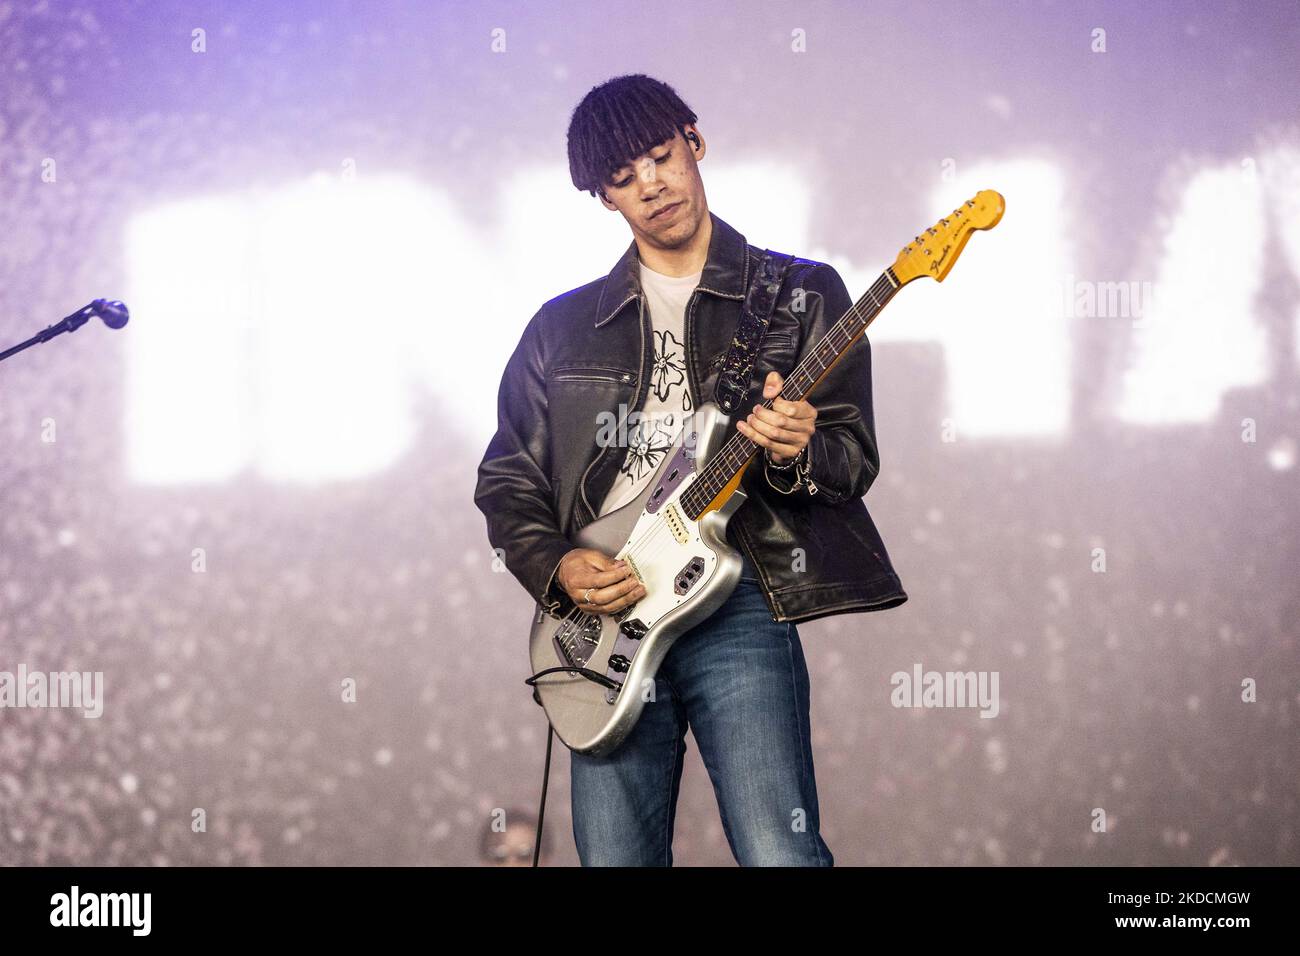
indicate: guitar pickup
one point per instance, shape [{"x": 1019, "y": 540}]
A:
[
  {"x": 676, "y": 523},
  {"x": 688, "y": 576}
]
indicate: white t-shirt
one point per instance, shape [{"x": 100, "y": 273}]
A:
[{"x": 668, "y": 401}]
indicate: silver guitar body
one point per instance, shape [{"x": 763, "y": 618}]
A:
[{"x": 689, "y": 570}]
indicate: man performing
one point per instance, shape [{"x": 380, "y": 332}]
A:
[{"x": 809, "y": 546}]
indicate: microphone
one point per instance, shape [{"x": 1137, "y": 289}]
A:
[{"x": 113, "y": 313}]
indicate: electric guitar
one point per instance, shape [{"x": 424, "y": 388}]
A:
[{"x": 590, "y": 669}]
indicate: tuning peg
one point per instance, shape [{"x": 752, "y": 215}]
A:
[{"x": 970, "y": 203}]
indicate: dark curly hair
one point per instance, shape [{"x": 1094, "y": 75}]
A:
[{"x": 619, "y": 120}]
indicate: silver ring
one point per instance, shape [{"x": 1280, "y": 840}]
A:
[{"x": 586, "y": 597}]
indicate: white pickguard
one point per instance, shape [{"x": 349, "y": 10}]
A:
[
  {"x": 628, "y": 646},
  {"x": 661, "y": 547}
]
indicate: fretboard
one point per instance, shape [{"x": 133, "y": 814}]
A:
[{"x": 738, "y": 450}]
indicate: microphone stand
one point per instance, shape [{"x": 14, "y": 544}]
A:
[{"x": 113, "y": 313}]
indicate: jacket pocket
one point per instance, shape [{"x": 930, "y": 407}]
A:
[
  {"x": 586, "y": 413},
  {"x": 600, "y": 374}
]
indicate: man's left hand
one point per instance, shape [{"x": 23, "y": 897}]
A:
[{"x": 785, "y": 428}]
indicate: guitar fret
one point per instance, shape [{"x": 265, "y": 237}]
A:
[{"x": 738, "y": 450}]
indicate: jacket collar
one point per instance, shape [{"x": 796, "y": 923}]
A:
[{"x": 726, "y": 272}]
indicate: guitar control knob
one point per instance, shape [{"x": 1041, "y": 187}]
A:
[{"x": 619, "y": 663}]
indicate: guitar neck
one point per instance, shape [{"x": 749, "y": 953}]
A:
[
  {"x": 721, "y": 476},
  {"x": 933, "y": 255}
]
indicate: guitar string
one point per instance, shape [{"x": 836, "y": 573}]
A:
[
  {"x": 733, "y": 455},
  {"x": 659, "y": 529},
  {"x": 638, "y": 549},
  {"x": 887, "y": 284},
  {"x": 735, "y": 447}
]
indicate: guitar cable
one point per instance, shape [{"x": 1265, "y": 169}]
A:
[
  {"x": 586, "y": 672},
  {"x": 541, "y": 809}
]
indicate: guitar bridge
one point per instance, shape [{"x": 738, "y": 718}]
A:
[{"x": 576, "y": 640}]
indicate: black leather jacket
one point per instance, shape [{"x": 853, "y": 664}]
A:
[{"x": 590, "y": 349}]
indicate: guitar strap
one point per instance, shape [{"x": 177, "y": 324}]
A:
[{"x": 760, "y": 300}]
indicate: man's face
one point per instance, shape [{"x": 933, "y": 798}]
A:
[
  {"x": 514, "y": 847},
  {"x": 660, "y": 193}
]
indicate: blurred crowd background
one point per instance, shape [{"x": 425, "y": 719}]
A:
[{"x": 224, "y": 688}]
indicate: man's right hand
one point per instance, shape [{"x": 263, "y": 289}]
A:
[{"x": 613, "y": 584}]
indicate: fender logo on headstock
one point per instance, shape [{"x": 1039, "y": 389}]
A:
[
  {"x": 983, "y": 211},
  {"x": 937, "y": 263}
]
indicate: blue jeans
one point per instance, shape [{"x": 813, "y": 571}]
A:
[{"x": 740, "y": 682}]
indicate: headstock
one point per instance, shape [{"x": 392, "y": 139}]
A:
[{"x": 935, "y": 250}]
